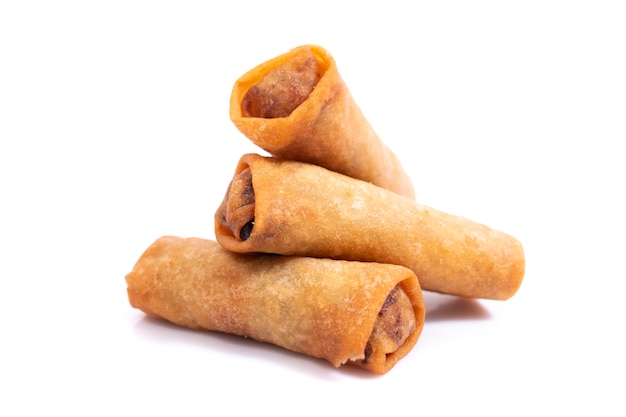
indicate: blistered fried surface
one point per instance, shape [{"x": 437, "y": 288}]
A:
[
  {"x": 320, "y": 307},
  {"x": 306, "y": 210}
]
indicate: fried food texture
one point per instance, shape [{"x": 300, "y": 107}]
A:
[
  {"x": 364, "y": 314},
  {"x": 306, "y": 210}
]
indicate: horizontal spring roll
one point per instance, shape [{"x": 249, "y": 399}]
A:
[
  {"x": 294, "y": 208},
  {"x": 359, "y": 313},
  {"x": 296, "y": 106}
]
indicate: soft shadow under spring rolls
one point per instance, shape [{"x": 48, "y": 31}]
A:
[
  {"x": 296, "y": 106},
  {"x": 294, "y": 208},
  {"x": 360, "y": 313}
]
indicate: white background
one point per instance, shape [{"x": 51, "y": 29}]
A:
[{"x": 114, "y": 130}]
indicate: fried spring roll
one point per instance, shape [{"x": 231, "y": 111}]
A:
[
  {"x": 296, "y": 106},
  {"x": 365, "y": 314},
  {"x": 294, "y": 208}
]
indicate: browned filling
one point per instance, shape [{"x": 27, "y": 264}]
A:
[
  {"x": 236, "y": 212},
  {"x": 284, "y": 88},
  {"x": 394, "y": 324}
]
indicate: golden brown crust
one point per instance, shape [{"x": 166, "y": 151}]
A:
[
  {"x": 302, "y": 209},
  {"x": 320, "y": 307},
  {"x": 327, "y": 128}
]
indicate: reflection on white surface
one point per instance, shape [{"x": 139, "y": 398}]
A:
[{"x": 442, "y": 307}]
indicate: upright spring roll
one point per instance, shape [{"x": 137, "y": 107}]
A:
[
  {"x": 360, "y": 313},
  {"x": 294, "y": 208},
  {"x": 296, "y": 106}
]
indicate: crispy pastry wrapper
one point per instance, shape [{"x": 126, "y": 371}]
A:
[
  {"x": 323, "y": 308},
  {"x": 326, "y": 128},
  {"x": 294, "y": 208}
]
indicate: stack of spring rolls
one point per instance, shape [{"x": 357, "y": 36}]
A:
[{"x": 321, "y": 247}]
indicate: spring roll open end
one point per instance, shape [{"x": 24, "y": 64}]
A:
[
  {"x": 276, "y": 88},
  {"x": 283, "y": 89},
  {"x": 397, "y": 320},
  {"x": 269, "y": 102},
  {"x": 236, "y": 213}
]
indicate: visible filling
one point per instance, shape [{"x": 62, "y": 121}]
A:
[
  {"x": 236, "y": 212},
  {"x": 394, "y": 324},
  {"x": 283, "y": 88}
]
